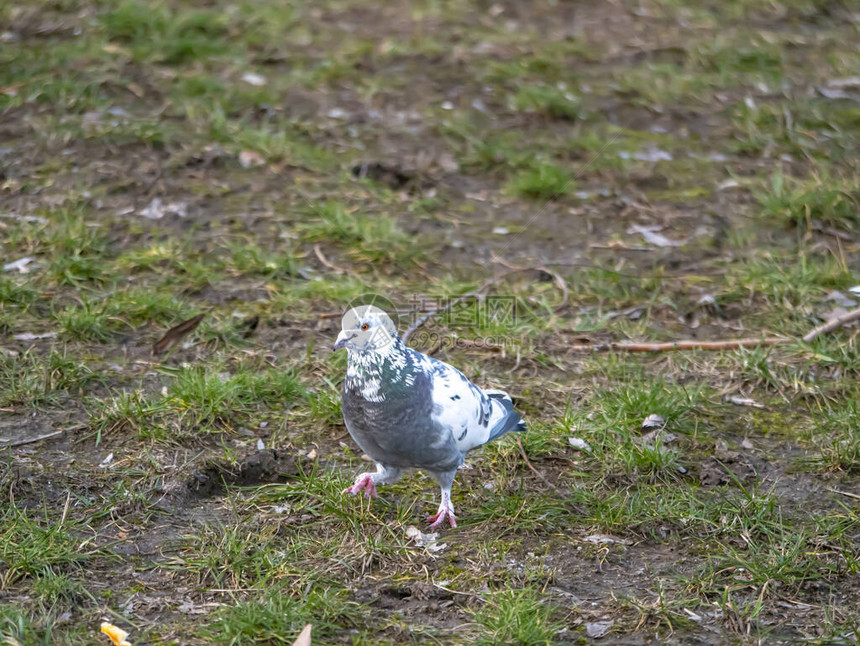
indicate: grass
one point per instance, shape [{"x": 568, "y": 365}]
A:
[
  {"x": 542, "y": 180},
  {"x": 279, "y": 616},
  {"x": 372, "y": 238},
  {"x": 197, "y": 402},
  {"x": 556, "y": 102},
  {"x": 517, "y": 617},
  {"x": 720, "y": 125},
  {"x": 820, "y": 201},
  {"x": 31, "y": 547},
  {"x": 37, "y": 381}
]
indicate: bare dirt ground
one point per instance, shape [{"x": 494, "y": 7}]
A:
[{"x": 660, "y": 170}]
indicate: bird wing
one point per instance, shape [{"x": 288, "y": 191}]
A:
[{"x": 473, "y": 416}]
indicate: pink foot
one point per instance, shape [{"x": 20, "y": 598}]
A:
[
  {"x": 445, "y": 511},
  {"x": 364, "y": 481}
]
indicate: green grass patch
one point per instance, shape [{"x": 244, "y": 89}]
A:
[
  {"x": 821, "y": 200},
  {"x": 517, "y": 617},
  {"x": 542, "y": 180},
  {"x": 32, "y": 546},
  {"x": 197, "y": 402},
  {"x": 40, "y": 380},
  {"x": 278, "y": 615}
]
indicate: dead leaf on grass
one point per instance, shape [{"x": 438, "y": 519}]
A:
[
  {"x": 257, "y": 80},
  {"x": 157, "y": 209},
  {"x": 176, "y": 334},
  {"x": 429, "y": 541},
  {"x": 649, "y": 233},
  {"x": 22, "y": 265},
  {"x": 304, "y": 638},
  {"x": 653, "y": 422},
  {"x": 250, "y": 159},
  {"x": 31, "y": 336},
  {"x": 598, "y": 629},
  {"x": 602, "y": 539},
  {"x": 579, "y": 444},
  {"x": 745, "y": 401}
]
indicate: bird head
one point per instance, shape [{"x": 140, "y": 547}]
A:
[{"x": 366, "y": 328}]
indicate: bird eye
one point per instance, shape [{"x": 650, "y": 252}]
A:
[{"x": 364, "y": 327}]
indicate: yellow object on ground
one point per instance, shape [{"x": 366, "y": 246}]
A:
[{"x": 117, "y": 635}]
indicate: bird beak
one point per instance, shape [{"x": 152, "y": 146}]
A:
[{"x": 342, "y": 339}]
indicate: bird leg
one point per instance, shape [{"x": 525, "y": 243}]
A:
[
  {"x": 446, "y": 510},
  {"x": 368, "y": 481}
]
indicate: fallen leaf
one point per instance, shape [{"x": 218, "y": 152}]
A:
[
  {"x": 745, "y": 401},
  {"x": 842, "y": 83},
  {"x": 176, "y": 334},
  {"x": 840, "y": 299},
  {"x": 256, "y": 80},
  {"x": 693, "y": 615},
  {"x": 829, "y": 93},
  {"x": 250, "y": 159},
  {"x": 579, "y": 444},
  {"x": 661, "y": 435},
  {"x": 135, "y": 89},
  {"x": 156, "y": 209},
  {"x": 729, "y": 183},
  {"x": 834, "y": 314},
  {"x": 117, "y": 635},
  {"x": 601, "y": 539},
  {"x": 304, "y": 638},
  {"x": 188, "y": 607},
  {"x": 24, "y": 218},
  {"x": 598, "y": 629},
  {"x": 649, "y": 155},
  {"x": 29, "y": 336},
  {"x": 111, "y": 48},
  {"x": 649, "y": 233},
  {"x": 22, "y": 265},
  {"x": 447, "y": 163},
  {"x": 653, "y": 421},
  {"x": 421, "y": 539}
]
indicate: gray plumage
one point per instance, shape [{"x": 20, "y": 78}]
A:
[{"x": 407, "y": 410}]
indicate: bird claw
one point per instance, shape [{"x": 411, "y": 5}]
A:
[
  {"x": 364, "y": 481},
  {"x": 439, "y": 517}
]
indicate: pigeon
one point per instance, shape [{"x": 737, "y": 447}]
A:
[{"x": 409, "y": 411}]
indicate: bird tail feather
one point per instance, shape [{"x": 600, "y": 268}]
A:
[{"x": 512, "y": 421}]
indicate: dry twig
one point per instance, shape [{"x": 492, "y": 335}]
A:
[
  {"x": 536, "y": 472},
  {"x": 833, "y": 324},
  {"x": 730, "y": 344},
  {"x": 845, "y": 493},
  {"x": 327, "y": 263},
  {"x": 31, "y": 440}
]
